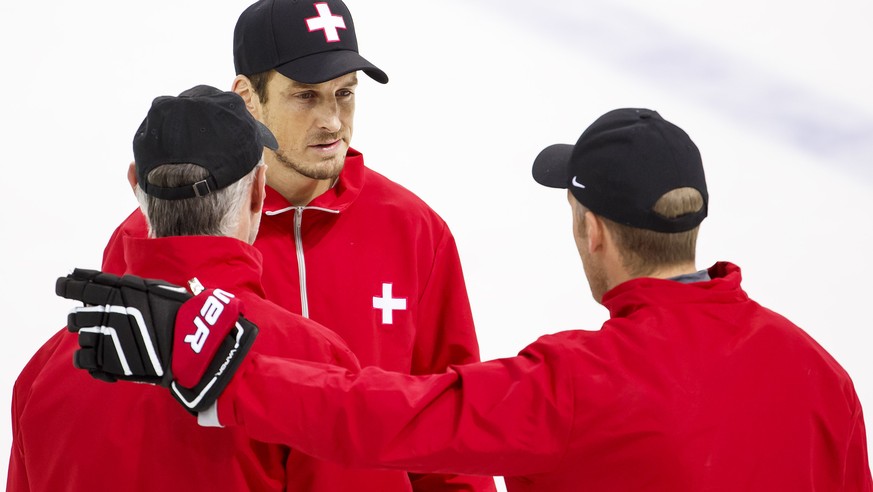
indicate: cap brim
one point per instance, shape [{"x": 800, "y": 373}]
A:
[
  {"x": 551, "y": 167},
  {"x": 328, "y": 65},
  {"x": 266, "y": 136}
]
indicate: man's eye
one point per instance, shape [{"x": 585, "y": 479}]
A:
[
  {"x": 344, "y": 93},
  {"x": 305, "y": 95}
]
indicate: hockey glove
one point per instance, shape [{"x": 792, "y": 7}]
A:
[{"x": 150, "y": 331}]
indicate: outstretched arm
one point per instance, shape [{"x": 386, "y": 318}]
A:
[
  {"x": 154, "y": 332},
  {"x": 503, "y": 417}
]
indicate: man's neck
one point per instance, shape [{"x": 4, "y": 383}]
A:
[
  {"x": 619, "y": 275},
  {"x": 674, "y": 271}
]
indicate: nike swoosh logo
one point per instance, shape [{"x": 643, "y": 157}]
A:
[{"x": 577, "y": 184}]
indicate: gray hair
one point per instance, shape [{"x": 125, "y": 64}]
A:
[{"x": 216, "y": 214}]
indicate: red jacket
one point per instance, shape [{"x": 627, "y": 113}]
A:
[
  {"x": 371, "y": 261},
  {"x": 687, "y": 387},
  {"x": 72, "y": 432}
]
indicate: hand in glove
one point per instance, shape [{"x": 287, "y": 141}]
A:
[{"x": 151, "y": 331}]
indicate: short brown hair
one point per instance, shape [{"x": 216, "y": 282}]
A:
[
  {"x": 259, "y": 83},
  {"x": 644, "y": 251}
]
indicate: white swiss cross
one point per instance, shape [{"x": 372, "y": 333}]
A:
[
  {"x": 388, "y": 304},
  {"x": 327, "y": 22}
]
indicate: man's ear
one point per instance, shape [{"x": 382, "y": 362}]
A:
[
  {"x": 243, "y": 86},
  {"x": 596, "y": 232},
  {"x": 131, "y": 176},
  {"x": 259, "y": 192}
]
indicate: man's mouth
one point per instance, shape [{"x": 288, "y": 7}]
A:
[{"x": 328, "y": 146}]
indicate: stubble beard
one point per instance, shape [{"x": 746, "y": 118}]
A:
[{"x": 326, "y": 169}]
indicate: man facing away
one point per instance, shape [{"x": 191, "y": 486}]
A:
[
  {"x": 200, "y": 179},
  {"x": 341, "y": 244},
  {"x": 689, "y": 385}
]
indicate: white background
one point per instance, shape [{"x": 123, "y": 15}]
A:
[{"x": 777, "y": 95}]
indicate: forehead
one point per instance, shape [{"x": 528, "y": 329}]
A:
[{"x": 347, "y": 80}]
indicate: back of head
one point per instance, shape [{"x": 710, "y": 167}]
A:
[
  {"x": 645, "y": 251},
  {"x": 195, "y": 156},
  {"x": 643, "y": 176}
]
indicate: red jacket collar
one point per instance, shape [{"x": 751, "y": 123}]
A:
[
  {"x": 644, "y": 291},
  {"x": 338, "y": 198},
  {"x": 216, "y": 261}
]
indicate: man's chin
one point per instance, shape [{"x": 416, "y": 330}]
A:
[
  {"x": 324, "y": 170},
  {"x": 325, "y": 167}
]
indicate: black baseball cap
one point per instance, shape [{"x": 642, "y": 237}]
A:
[
  {"x": 622, "y": 164},
  {"x": 203, "y": 126},
  {"x": 307, "y": 41}
]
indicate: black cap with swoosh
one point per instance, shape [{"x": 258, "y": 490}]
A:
[{"x": 622, "y": 164}]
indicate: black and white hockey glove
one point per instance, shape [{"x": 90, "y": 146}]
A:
[{"x": 151, "y": 331}]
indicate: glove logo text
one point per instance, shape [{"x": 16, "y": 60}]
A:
[{"x": 209, "y": 314}]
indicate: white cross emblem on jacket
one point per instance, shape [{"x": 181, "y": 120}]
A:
[{"x": 388, "y": 304}]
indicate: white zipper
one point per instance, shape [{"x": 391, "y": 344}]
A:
[
  {"x": 301, "y": 260},
  {"x": 298, "y": 245}
]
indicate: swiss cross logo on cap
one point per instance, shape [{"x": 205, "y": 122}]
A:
[{"x": 326, "y": 22}]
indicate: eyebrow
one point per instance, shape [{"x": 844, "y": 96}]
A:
[{"x": 301, "y": 85}]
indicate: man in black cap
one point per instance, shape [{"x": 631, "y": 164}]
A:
[
  {"x": 689, "y": 386},
  {"x": 341, "y": 244},
  {"x": 199, "y": 177}
]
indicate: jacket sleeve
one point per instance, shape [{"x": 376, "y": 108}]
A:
[
  {"x": 320, "y": 344},
  {"x": 503, "y": 417},
  {"x": 303, "y": 472},
  {"x": 113, "y": 254},
  {"x": 445, "y": 335},
  {"x": 857, "y": 475},
  {"x": 17, "y": 479}
]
